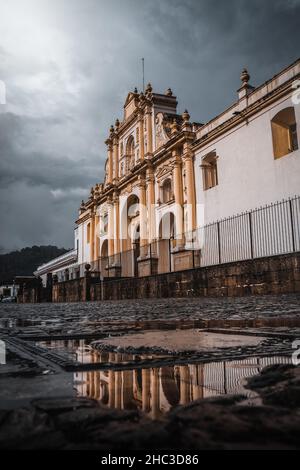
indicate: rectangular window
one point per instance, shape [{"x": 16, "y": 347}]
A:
[{"x": 209, "y": 171}]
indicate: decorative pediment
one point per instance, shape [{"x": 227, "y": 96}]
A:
[
  {"x": 130, "y": 96},
  {"x": 164, "y": 171},
  {"x": 130, "y": 104}
]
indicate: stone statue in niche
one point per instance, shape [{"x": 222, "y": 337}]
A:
[{"x": 161, "y": 136}]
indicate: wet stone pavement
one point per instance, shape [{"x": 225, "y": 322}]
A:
[{"x": 161, "y": 373}]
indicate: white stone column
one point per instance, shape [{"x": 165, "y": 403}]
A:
[
  {"x": 141, "y": 136},
  {"x": 190, "y": 188},
  {"x": 116, "y": 224},
  {"x": 150, "y": 205},
  {"x": 178, "y": 194},
  {"x": 110, "y": 226},
  {"x": 92, "y": 238},
  {"x": 110, "y": 161},
  {"x": 116, "y": 159},
  {"x": 97, "y": 241},
  {"x": 149, "y": 130},
  {"x": 143, "y": 211}
]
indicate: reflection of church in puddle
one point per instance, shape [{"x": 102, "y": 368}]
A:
[{"x": 156, "y": 390}]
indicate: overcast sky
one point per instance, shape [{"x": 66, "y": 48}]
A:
[{"x": 68, "y": 66}]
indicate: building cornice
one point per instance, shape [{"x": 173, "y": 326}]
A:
[
  {"x": 245, "y": 114},
  {"x": 57, "y": 263},
  {"x": 83, "y": 219}
]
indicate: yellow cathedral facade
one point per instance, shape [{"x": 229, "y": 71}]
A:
[{"x": 147, "y": 199}]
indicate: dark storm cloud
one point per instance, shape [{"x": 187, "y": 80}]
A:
[
  {"x": 68, "y": 65},
  {"x": 22, "y": 164}
]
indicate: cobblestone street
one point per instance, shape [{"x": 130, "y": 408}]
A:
[{"x": 68, "y": 317}]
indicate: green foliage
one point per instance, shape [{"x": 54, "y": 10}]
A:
[{"x": 24, "y": 262}]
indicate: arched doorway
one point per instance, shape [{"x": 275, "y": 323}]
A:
[
  {"x": 131, "y": 242},
  {"x": 165, "y": 242},
  {"x": 130, "y": 219},
  {"x": 104, "y": 258},
  {"x": 136, "y": 249}
]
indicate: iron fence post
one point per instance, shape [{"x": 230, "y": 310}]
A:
[
  {"x": 219, "y": 241},
  {"x": 170, "y": 261},
  {"x": 292, "y": 226},
  {"x": 193, "y": 250},
  {"x": 251, "y": 237}
]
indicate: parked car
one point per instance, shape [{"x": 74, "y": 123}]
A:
[{"x": 8, "y": 300}]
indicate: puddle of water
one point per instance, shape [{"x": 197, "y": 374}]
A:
[
  {"x": 80, "y": 350},
  {"x": 162, "y": 344},
  {"x": 155, "y": 391},
  {"x": 179, "y": 340}
]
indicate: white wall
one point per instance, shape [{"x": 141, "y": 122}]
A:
[
  {"x": 76, "y": 240},
  {"x": 86, "y": 254},
  {"x": 80, "y": 243},
  {"x": 83, "y": 246},
  {"x": 248, "y": 174}
]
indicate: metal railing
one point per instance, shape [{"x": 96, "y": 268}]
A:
[{"x": 267, "y": 231}]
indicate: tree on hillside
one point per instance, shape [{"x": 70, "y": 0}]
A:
[{"x": 24, "y": 262}]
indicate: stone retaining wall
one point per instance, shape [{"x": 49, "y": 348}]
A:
[
  {"x": 69, "y": 291},
  {"x": 273, "y": 275}
]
